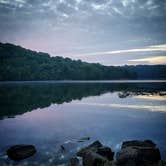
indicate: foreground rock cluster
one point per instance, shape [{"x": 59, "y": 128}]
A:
[{"x": 132, "y": 153}]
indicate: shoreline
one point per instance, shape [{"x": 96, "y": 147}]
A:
[
  {"x": 132, "y": 152},
  {"x": 84, "y": 81}
]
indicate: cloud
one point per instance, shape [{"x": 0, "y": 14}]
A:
[
  {"x": 151, "y": 60},
  {"x": 102, "y": 27},
  {"x": 153, "y": 48}
]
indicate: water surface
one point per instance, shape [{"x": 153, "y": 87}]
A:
[{"x": 50, "y": 114}]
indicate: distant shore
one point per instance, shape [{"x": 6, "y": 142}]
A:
[{"x": 86, "y": 81}]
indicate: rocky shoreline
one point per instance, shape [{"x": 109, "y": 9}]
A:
[{"x": 132, "y": 153}]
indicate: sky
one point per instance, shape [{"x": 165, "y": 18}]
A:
[{"x": 110, "y": 32}]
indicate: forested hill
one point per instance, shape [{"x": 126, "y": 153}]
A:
[
  {"x": 148, "y": 71},
  {"x": 17, "y": 63}
]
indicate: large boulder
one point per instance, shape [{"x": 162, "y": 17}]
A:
[
  {"x": 19, "y": 152},
  {"x": 74, "y": 161},
  {"x": 106, "y": 152},
  {"x": 94, "y": 159},
  {"x": 138, "y": 153},
  {"x": 96, "y": 155}
]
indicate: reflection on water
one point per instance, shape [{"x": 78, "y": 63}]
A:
[
  {"x": 56, "y": 114},
  {"x": 20, "y": 98},
  {"x": 152, "y": 97},
  {"x": 147, "y": 107}
]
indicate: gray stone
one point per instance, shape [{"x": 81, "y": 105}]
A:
[
  {"x": 92, "y": 147},
  {"x": 74, "y": 161},
  {"x": 138, "y": 156},
  {"x": 19, "y": 152},
  {"x": 94, "y": 159},
  {"x": 96, "y": 155},
  {"x": 106, "y": 152}
]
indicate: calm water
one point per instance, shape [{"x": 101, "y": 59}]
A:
[{"x": 48, "y": 115}]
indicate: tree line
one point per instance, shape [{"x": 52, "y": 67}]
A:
[{"x": 17, "y": 63}]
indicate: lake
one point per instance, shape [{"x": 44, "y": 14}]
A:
[{"x": 51, "y": 114}]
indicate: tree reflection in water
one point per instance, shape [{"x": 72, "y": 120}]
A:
[{"x": 23, "y": 97}]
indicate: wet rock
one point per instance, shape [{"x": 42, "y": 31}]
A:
[
  {"x": 94, "y": 159},
  {"x": 92, "y": 147},
  {"x": 145, "y": 143},
  {"x": 138, "y": 156},
  {"x": 138, "y": 153},
  {"x": 132, "y": 153},
  {"x": 74, "y": 161},
  {"x": 96, "y": 155},
  {"x": 19, "y": 152},
  {"x": 106, "y": 152}
]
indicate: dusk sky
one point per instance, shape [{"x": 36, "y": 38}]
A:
[{"x": 111, "y": 32}]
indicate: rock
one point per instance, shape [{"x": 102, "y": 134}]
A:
[
  {"x": 106, "y": 152},
  {"x": 94, "y": 159},
  {"x": 92, "y": 147},
  {"x": 74, "y": 161},
  {"x": 132, "y": 153},
  {"x": 96, "y": 155},
  {"x": 138, "y": 153},
  {"x": 138, "y": 156},
  {"x": 19, "y": 152},
  {"x": 145, "y": 143}
]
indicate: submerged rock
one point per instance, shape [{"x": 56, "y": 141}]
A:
[{"x": 19, "y": 152}]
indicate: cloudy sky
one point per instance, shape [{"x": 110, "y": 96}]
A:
[{"x": 111, "y": 32}]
